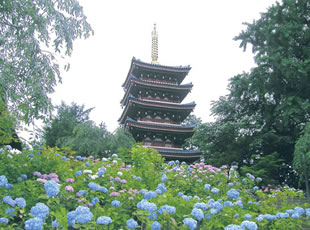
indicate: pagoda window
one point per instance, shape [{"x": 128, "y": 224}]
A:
[
  {"x": 158, "y": 139},
  {"x": 158, "y": 117},
  {"x": 167, "y": 119},
  {"x": 147, "y": 139}
]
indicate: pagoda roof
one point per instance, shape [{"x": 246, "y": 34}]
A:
[
  {"x": 160, "y": 127},
  {"x": 179, "y": 153},
  {"x": 154, "y": 104},
  {"x": 157, "y": 67},
  {"x": 165, "y": 86}
]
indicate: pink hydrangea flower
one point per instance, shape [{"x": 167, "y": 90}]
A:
[
  {"x": 69, "y": 188},
  {"x": 130, "y": 198},
  {"x": 41, "y": 180},
  {"x": 70, "y": 180},
  {"x": 114, "y": 194}
]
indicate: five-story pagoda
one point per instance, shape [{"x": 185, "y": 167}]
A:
[{"x": 153, "y": 112}]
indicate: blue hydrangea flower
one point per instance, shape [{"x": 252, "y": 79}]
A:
[
  {"x": 300, "y": 211},
  {"x": 102, "y": 189},
  {"x": 83, "y": 192},
  {"x": 9, "y": 186},
  {"x": 215, "y": 190},
  {"x": 295, "y": 216},
  {"x": 207, "y": 187},
  {"x": 55, "y": 224},
  {"x": 233, "y": 194},
  {"x": 24, "y": 176},
  {"x": 30, "y": 155},
  {"x": 217, "y": 205},
  {"x": 149, "y": 195},
  {"x": 197, "y": 213},
  {"x": 162, "y": 188},
  {"x": 290, "y": 211},
  {"x": 93, "y": 186},
  {"x": 247, "y": 216},
  {"x": 208, "y": 216},
  {"x": 104, "y": 220},
  {"x": 250, "y": 225},
  {"x": 64, "y": 158},
  {"x": 307, "y": 211},
  {"x": 228, "y": 203},
  {"x": 51, "y": 188},
  {"x": 233, "y": 227},
  {"x": 167, "y": 208},
  {"x": 8, "y": 200},
  {"x": 147, "y": 206},
  {"x": 19, "y": 179},
  {"x": 115, "y": 203},
  {"x": 10, "y": 211},
  {"x": 236, "y": 215},
  {"x": 101, "y": 171},
  {"x": 201, "y": 205},
  {"x": 87, "y": 164},
  {"x": 153, "y": 216},
  {"x": 230, "y": 184},
  {"x": 260, "y": 218},
  {"x": 81, "y": 215},
  {"x": 131, "y": 224},
  {"x": 40, "y": 210},
  {"x": 155, "y": 226},
  {"x": 78, "y": 173},
  {"x": 190, "y": 222},
  {"x": 4, "y": 220},
  {"x": 95, "y": 200},
  {"x": 269, "y": 217},
  {"x": 282, "y": 215},
  {"x": 34, "y": 224},
  {"x": 214, "y": 211},
  {"x": 164, "y": 178},
  {"x": 187, "y": 198}
]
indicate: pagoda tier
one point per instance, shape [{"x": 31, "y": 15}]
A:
[
  {"x": 152, "y": 89},
  {"x": 153, "y": 112},
  {"x": 158, "y": 134},
  {"x": 154, "y": 72},
  {"x": 156, "y": 111}
]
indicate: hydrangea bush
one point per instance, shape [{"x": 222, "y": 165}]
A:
[{"x": 53, "y": 189}]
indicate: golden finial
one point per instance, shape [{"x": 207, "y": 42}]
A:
[{"x": 154, "y": 46}]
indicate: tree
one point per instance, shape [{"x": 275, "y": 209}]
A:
[
  {"x": 302, "y": 157},
  {"x": 88, "y": 139},
  {"x": 122, "y": 139},
  {"x": 192, "y": 120},
  {"x": 33, "y": 35},
  {"x": 267, "y": 108},
  {"x": 61, "y": 127}
]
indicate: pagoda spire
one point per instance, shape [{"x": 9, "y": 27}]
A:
[{"x": 154, "y": 45}]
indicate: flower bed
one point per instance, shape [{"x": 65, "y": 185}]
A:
[{"x": 46, "y": 189}]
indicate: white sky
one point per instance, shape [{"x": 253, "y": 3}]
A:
[{"x": 198, "y": 33}]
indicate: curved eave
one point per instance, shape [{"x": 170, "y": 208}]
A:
[
  {"x": 159, "y": 127},
  {"x": 132, "y": 101},
  {"x": 170, "y": 69},
  {"x": 179, "y": 153},
  {"x": 185, "y": 88}
]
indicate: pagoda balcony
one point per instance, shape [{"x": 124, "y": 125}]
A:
[
  {"x": 158, "y": 144},
  {"x": 152, "y": 120},
  {"x": 159, "y": 100},
  {"x": 158, "y": 81}
]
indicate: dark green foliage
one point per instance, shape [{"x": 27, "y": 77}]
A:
[
  {"x": 265, "y": 110},
  {"x": 72, "y": 128},
  {"x": 61, "y": 127},
  {"x": 302, "y": 157}
]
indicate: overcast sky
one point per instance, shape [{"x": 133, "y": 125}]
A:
[{"x": 198, "y": 33}]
